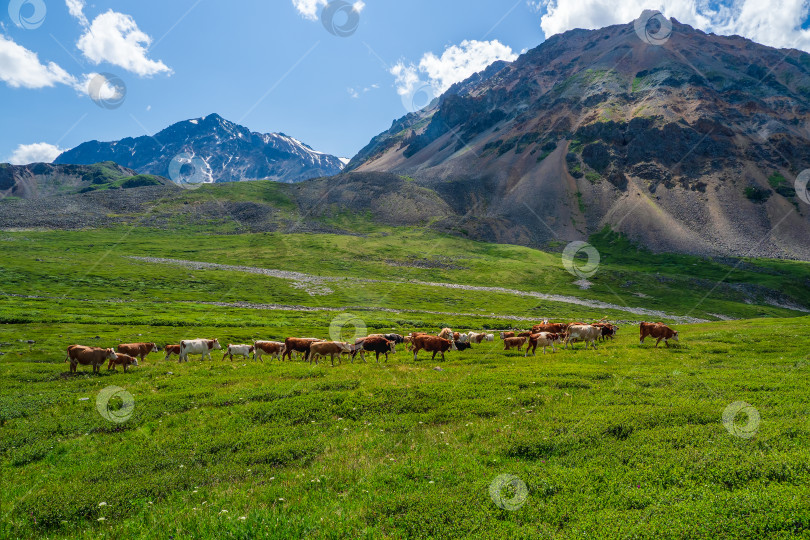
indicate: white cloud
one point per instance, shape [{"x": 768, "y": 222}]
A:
[
  {"x": 309, "y": 8},
  {"x": 20, "y": 67},
  {"x": 776, "y": 23},
  {"x": 115, "y": 38},
  {"x": 76, "y": 9},
  {"x": 456, "y": 63},
  {"x": 34, "y": 153},
  {"x": 353, "y": 93}
]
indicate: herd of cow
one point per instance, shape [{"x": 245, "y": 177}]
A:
[{"x": 541, "y": 335}]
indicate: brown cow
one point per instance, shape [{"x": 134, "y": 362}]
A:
[
  {"x": 374, "y": 344},
  {"x": 88, "y": 356},
  {"x": 301, "y": 345},
  {"x": 274, "y": 348},
  {"x": 122, "y": 359},
  {"x": 330, "y": 348},
  {"x": 432, "y": 344},
  {"x": 505, "y": 335},
  {"x": 139, "y": 350},
  {"x": 658, "y": 330},
  {"x": 514, "y": 343},
  {"x": 170, "y": 350},
  {"x": 554, "y": 328},
  {"x": 543, "y": 339},
  {"x": 608, "y": 330}
]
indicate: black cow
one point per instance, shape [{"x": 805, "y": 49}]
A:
[{"x": 463, "y": 345}]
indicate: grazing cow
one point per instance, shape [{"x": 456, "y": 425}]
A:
[
  {"x": 432, "y": 344},
  {"x": 202, "y": 347},
  {"x": 327, "y": 348},
  {"x": 476, "y": 337},
  {"x": 274, "y": 348},
  {"x": 88, "y": 356},
  {"x": 463, "y": 345},
  {"x": 490, "y": 337},
  {"x": 139, "y": 350},
  {"x": 555, "y": 328},
  {"x": 446, "y": 333},
  {"x": 513, "y": 343},
  {"x": 238, "y": 350},
  {"x": 122, "y": 359},
  {"x": 505, "y": 335},
  {"x": 659, "y": 331},
  {"x": 543, "y": 339},
  {"x": 301, "y": 345},
  {"x": 396, "y": 338},
  {"x": 172, "y": 349},
  {"x": 582, "y": 332},
  {"x": 376, "y": 345},
  {"x": 608, "y": 330}
]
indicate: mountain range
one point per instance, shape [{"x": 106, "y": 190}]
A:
[
  {"x": 692, "y": 144},
  {"x": 230, "y": 152}
]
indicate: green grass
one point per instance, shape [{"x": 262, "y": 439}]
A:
[{"x": 625, "y": 441}]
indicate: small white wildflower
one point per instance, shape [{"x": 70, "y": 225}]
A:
[
  {"x": 102, "y": 503},
  {"x": 243, "y": 518},
  {"x": 102, "y": 519}
]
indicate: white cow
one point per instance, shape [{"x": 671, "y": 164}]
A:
[
  {"x": 238, "y": 350},
  {"x": 582, "y": 332},
  {"x": 542, "y": 339},
  {"x": 490, "y": 337},
  {"x": 198, "y": 346}
]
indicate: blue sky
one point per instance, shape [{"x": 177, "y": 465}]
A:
[{"x": 273, "y": 65}]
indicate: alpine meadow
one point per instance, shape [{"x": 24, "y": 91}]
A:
[{"x": 566, "y": 294}]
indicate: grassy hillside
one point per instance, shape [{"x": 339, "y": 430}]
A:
[{"x": 623, "y": 441}]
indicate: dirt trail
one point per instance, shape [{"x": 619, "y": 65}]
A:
[{"x": 314, "y": 285}]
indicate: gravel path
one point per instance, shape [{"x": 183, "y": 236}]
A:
[{"x": 314, "y": 285}]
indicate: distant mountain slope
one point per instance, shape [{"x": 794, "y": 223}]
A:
[
  {"x": 40, "y": 180},
  {"x": 690, "y": 146},
  {"x": 232, "y": 152}
]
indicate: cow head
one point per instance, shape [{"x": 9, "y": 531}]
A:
[
  {"x": 453, "y": 346},
  {"x": 675, "y": 336},
  {"x": 111, "y": 354},
  {"x": 392, "y": 346},
  {"x": 133, "y": 361},
  {"x": 154, "y": 348},
  {"x": 214, "y": 344},
  {"x": 346, "y": 347}
]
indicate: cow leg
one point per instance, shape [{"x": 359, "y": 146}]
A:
[
  {"x": 415, "y": 352},
  {"x": 378, "y": 356},
  {"x": 442, "y": 356},
  {"x": 224, "y": 355},
  {"x": 666, "y": 342},
  {"x": 657, "y": 342},
  {"x": 434, "y": 356}
]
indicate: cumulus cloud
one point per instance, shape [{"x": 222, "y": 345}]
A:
[
  {"x": 309, "y": 8},
  {"x": 76, "y": 9},
  {"x": 777, "y": 23},
  {"x": 34, "y": 153},
  {"x": 20, "y": 67},
  {"x": 456, "y": 63},
  {"x": 115, "y": 38}
]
